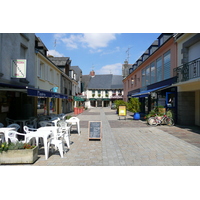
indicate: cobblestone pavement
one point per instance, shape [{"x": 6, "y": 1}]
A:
[{"x": 127, "y": 143}]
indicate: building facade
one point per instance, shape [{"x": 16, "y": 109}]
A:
[
  {"x": 66, "y": 84},
  {"x": 151, "y": 77},
  {"x": 188, "y": 78},
  {"x": 102, "y": 90},
  {"x": 17, "y": 72}
]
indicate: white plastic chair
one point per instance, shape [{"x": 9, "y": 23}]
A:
[
  {"x": 1, "y": 125},
  {"x": 2, "y": 138},
  {"x": 58, "y": 143},
  {"x": 66, "y": 131},
  {"x": 28, "y": 130},
  {"x": 14, "y": 125},
  {"x": 32, "y": 123},
  {"x": 12, "y": 136},
  {"x": 45, "y": 123},
  {"x": 75, "y": 121},
  {"x": 9, "y": 121}
]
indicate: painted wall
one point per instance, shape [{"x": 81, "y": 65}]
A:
[{"x": 10, "y": 47}]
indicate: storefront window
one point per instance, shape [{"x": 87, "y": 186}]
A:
[
  {"x": 42, "y": 106},
  {"x": 52, "y": 105}
]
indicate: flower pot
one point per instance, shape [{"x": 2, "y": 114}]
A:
[
  {"x": 19, "y": 156},
  {"x": 76, "y": 111},
  {"x": 136, "y": 116},
  {"x": 162, "y": 110}
]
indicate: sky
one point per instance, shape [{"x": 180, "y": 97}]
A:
[{"x": 102, "y": 52}]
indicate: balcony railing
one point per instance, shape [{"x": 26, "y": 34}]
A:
[{"x": 188, "y": 71}]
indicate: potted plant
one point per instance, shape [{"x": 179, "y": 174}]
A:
[
  {"x": 134, "y": 106},
  {"x": 11, "y": 153},
  {"x": 161, "y": 109}
]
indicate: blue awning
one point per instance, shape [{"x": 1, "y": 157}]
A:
[
  {"x": 44, "y": 93},
  {"x": 146, "y": 93}
]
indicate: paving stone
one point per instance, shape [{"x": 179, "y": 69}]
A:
[{"x": 127, "y": 143}]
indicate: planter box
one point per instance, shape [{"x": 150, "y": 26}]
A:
[{"x": 19, "y": 156}]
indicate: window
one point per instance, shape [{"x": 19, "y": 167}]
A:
[
  {"x": 153, "y": 73},
  {"x": 132, "y": 82},
  {"x": 42, "y": 70},
  {"x": 147, "y": 75},
  {"x": 135, "y": 80},
  {"x": 159, "y": 69},
  {"x": 51, "y": 76},
  {"x": 167, "y": 65},
  {"x": 42, "y": 106},
  {"x": 143, "y": 78}
]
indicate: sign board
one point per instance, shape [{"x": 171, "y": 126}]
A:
[
  {"x": 122, "y": 111},
  {"x": 18, "y": 68},
  {"x": 94, "y": 130}
]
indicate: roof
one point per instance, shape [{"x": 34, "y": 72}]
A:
[
  {"x": 77, "y": 70},
  {"x": 106, "y": 81},
  {"x": 59, "y": 61},
  {"x": 40, "y": 43},
  {"x": 85, "y": 81}
]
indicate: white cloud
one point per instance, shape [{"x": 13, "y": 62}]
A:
[
  {"x": 86, "y": 40},
  {"x": 98, "y": 40},
  {"x": 54, "y": 53},
  {"x": 115, "y": 69}
]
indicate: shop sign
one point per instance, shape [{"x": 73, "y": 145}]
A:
[
  {"x": 18, "y": 68},
  {"x": 122, "y": 111}
]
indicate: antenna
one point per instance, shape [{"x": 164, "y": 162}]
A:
[
  {"x": 128, "y": 53},
  {"x": 92, "y": 67},
  {"x": 55, "y": 44}
]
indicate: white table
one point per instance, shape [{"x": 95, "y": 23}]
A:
[
  {"x": 6, "y": 130},
  {"x": 75, "y": 122},
  {"x": 42, "y": 133}
]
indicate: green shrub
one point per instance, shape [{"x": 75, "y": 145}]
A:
[{"x": 134, "y": 105}]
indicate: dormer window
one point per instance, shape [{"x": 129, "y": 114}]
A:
[{"x": 163, "y": 38}]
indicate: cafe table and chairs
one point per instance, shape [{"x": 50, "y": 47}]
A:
[
  {"x": 41, "y": 132},
  {"x": 54, "y": 139}
]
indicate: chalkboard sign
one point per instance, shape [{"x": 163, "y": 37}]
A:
[{"x": 94, "y": 130}]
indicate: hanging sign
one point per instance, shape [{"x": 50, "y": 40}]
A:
[{"x": 18, "y": 68}]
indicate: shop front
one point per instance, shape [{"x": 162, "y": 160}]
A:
[
  {"x": 161, "y": 94},
  {"x": 47, "y": 102}
]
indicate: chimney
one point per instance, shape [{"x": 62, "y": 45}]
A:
[{"x": 92, "y": 73}]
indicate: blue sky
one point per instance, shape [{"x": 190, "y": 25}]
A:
[{"x": 103, "y": 52}]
